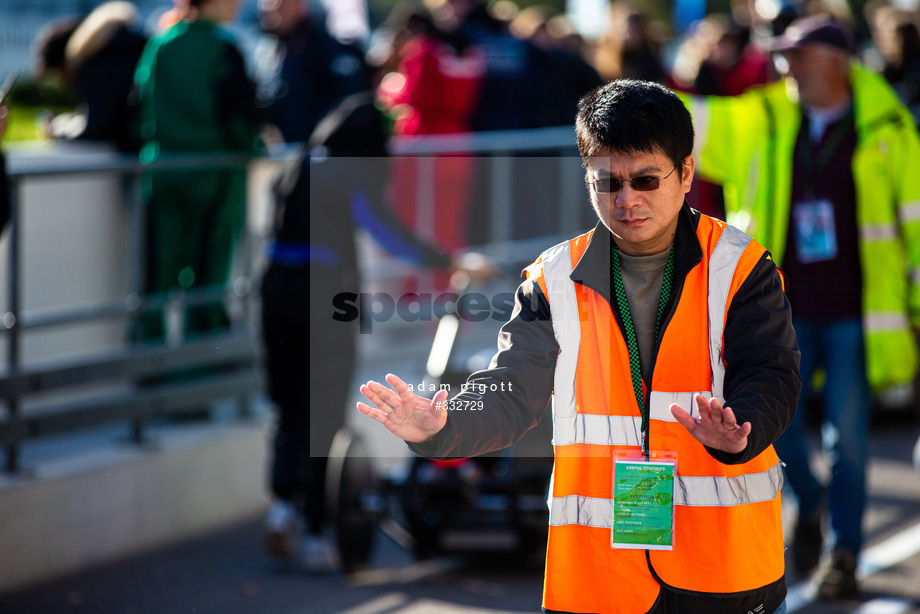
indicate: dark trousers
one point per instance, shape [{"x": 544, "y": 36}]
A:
[
  {"x": 194, "y": 219},
  {"x": 310, "y": 360}
]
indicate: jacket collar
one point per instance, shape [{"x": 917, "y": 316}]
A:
[
  {"x": 874, "y": 101},
  {"x": 594, "y": 268}
]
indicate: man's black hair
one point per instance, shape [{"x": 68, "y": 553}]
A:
[{"x": 629, "y": 116}]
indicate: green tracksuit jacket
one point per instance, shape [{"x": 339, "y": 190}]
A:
[{"x": 195, "y": 98}]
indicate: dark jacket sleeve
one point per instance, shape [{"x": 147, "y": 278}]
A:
[
  {"x": 761, "y": 354},
  {"x": 518, "y": 385},
  {"x": 348, "y": 192},
  {"x": 238, "y": 103},
  {"x": 371, "y": 213}
]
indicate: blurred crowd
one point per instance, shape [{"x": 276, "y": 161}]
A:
[
  {"x": 448, "y": 66},
  {"x": 455, "y": 66}
]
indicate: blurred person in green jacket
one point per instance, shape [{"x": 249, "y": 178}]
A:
[
  {"x": 822, "y": 169},
  {"x": 195, "y": 97}
]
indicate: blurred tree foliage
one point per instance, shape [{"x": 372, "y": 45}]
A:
[
  {"x": 31, "y": 93},
  {"x": 30, "y": 102}
]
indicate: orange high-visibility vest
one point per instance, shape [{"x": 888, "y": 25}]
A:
[{"x": 727, "y": 527}]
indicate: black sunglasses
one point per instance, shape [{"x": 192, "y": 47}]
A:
[{"x": 646, "y": 183}]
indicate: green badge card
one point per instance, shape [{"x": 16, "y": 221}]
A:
[{"x": 643, "y": 502}]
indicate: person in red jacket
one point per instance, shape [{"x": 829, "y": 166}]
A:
[
  {"x": 435, "y": 90},
  {"x": 436, "y": 86}
]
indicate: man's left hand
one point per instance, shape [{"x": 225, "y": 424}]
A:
[{"x": 715, "y": 427}]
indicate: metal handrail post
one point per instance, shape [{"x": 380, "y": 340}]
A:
[
  {"x": 572, "y": 196},
  {"x": 501, "y": 196},
  {"x": 244, "y": 293},
  {"x": 135, "y": 263},
  {"x": 426, "y": 207},
  {"x": 10, "y": 318}
]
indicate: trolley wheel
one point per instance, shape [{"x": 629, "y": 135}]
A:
[{"x": 349, "y": 478}]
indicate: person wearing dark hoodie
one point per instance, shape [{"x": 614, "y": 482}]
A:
[
  {"x": 320, "y": 200},
  {"x": 302, "y": 71},
  {"x": 95, "y": 59}
]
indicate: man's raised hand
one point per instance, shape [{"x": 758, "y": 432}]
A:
[
  {"x": 716, "y": 426},
  {"x": 404, "y": 413}
]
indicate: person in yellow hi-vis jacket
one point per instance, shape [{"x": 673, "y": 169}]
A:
[{"x": 822, "y": 169}]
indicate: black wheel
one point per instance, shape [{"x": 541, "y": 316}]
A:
[
  {"x": 350, "y": 479},
  {"x": 423, "y": 505},
  {"x": 531, "y": 516}
]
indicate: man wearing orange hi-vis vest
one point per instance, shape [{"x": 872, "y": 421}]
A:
[{"x": 664, "y": 339}]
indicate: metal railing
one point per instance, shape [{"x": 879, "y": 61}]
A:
[
  {"x": 134, "y": 378},
  {"x": 127, "y": 371}
]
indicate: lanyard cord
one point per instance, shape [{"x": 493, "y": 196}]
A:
[
  {"x": 812, "y": 167},
  {"x": 632, "y": 345}
]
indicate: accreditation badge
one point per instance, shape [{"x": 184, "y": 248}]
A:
[
  {"x": 643, "y": 500},
  {"x": 815, "y": 231}
]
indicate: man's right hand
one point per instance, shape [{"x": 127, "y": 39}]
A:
[{"x": 404, "y": 413}]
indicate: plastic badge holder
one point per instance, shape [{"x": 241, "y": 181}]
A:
[{"x": 643, "y": 500}]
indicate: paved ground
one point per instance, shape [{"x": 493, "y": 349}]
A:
[{"x": 227, "y": 573}]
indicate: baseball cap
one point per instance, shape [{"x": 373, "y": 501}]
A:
[{"x": 822, "y": 29}]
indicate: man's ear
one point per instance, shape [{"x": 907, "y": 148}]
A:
[{"x": 687, "y": 167}]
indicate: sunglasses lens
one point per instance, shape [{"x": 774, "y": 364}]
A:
[
  {"x": 607, "y": 185},
  {"x": 645, "y": 184}
]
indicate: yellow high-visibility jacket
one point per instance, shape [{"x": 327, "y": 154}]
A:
[{"x": 746, "y": 143}]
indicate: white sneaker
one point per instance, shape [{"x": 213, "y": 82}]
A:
[
  {"x": 319, "y": 554},
  {"x": 282, "y": 525}
]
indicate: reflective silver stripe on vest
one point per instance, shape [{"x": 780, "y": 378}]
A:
[
  {"x": 626, "y": 430},
  {"x": 701, "y": 118},
  {"x": 750, "y": 190},
  {"x": 607, "y": 430},
  {"x": 557, "y": 269},
  {"x": 575, "y": 509},
  {"x": 915, "y": 276},
  {"x": 721, "y": 491},
  {"x": 885, "y": 321},
  {"x": 877, "y": 233},
  {"x": 660, "y": 403},
  {"x": 910, "y": 212},
  {"x": 722, "y": 266},
  {"x": 688, "y": 490}
]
